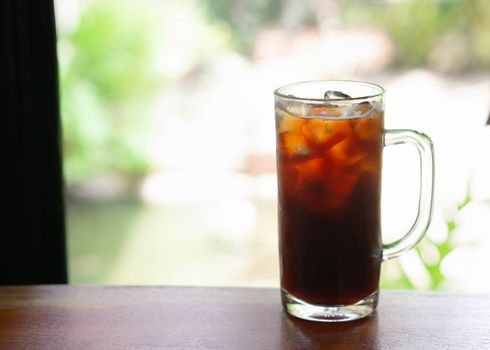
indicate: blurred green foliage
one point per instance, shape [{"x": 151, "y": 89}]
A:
[
  {"x": 418, "y": 27},
  {"x": 113, "y": 64},
  {"x": 432, "y": 263},
  {"x": 244, "y": 18},
  {"x": 400, "y": 279},
  {"x": 109, "y": 76},
  {"x": 106, "y": 83},
  {"x": 479, "y": 26},
  {"x": 414, "y": 25}
]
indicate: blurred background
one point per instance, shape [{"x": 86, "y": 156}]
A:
[{"x": 168, "y": 131}]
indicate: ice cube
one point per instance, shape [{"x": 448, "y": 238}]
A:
[
  {"x": 326, "y": 111},
  {"x": 346, "y": 154},
  {"x": 293, "y": 145},
  {"x": 363, "y": 109},
  {"x": 335, "y": 95},
  {"x": 297, "y": 109},
  {"x": 317, "y": 131},
  {"x": 369, "y": 128},
  {"x": 324, "y": 133},
  {"x": 340, "y": 153},
  {"x": 288, "y": 122}
]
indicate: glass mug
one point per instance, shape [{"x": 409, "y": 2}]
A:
[{"x": 330, "y": 138}]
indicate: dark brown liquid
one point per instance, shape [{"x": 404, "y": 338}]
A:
[{"x": 329, "y": 207}]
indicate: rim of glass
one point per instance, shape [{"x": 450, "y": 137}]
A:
[{"x": 381, "y": 91}]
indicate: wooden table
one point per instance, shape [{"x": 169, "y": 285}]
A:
[{"x": 106, "y": 317}]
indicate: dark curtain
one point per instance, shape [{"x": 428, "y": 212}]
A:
[{"x": 32, "y": 228}]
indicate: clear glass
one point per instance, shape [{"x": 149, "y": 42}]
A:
[{"x": 330, "y": 138}]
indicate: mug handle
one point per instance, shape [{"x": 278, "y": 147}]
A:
[{"x": 425, "y": 149}]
